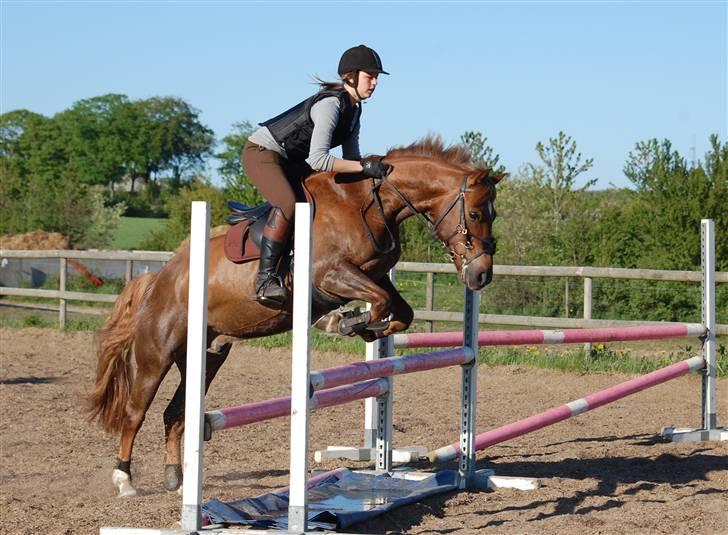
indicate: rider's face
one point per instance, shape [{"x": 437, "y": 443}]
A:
[{"x": 367, "y": 84}]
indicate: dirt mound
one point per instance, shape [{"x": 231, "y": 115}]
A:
[{"x": 36, "y": 240}]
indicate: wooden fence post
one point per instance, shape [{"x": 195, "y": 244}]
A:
[
  {"x": 62, "y": 274},
  {"x": 430, "y": 299},
  {"x": 128, "y": 271},
  {"x": 587, "y": 310}
]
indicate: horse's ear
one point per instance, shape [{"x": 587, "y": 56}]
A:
[{"x": 483, "y": 175}]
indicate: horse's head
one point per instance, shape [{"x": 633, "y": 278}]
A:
[
  {"x": 463, "y": 220},
  {"x": 442, "y": 185}
]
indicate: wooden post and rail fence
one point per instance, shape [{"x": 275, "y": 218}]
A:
[{"x": 429, "y": 314}]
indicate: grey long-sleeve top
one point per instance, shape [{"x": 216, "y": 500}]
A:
[{"x": 325, "y": 117}]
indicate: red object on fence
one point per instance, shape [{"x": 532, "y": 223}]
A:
[{"x": 83, "y": 270}]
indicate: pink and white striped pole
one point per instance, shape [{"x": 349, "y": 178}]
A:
[
  {"x": 388, "y": 366},
  {"x": 566, "y": 336},
  {"x": 363, "y": 374},
  {"x": 563, "y": 412},
  {"x": 276, "y": 408}
]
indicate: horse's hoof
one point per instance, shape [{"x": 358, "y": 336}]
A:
[
  {"x": 354, "y": 322},
  {"x": 122, "y": 481},
  {"x": 172, "y": 476}
]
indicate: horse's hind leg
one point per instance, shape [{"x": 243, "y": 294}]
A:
[
  {"x": 152, "y": 365},
  {"x": 174, "y": 417}
]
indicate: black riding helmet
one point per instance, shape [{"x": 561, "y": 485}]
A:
[{"x": 359, "y": 58}]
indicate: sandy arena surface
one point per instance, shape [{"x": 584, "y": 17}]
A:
[{"x": 603, "y": 472}]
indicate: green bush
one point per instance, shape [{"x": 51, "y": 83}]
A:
[
  {"x": 149, "y": 201},
  {"x": 177, "y": 228},
  {"x": 57, "y": 203}
]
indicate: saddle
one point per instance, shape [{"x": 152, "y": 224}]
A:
[
  {"x": 242, "y": 245},
  {"x": 242, "y": 240}
]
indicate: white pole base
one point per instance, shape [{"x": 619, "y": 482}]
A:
[
  {"x": 409, "y": 454},
  {"x": 485, "y": 479},
  {"x": 686, "y": 434}
]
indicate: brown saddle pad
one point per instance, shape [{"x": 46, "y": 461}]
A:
[{"x": 239, "y": 245}]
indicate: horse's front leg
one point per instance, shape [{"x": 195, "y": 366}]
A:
[
  {"x": 402, "y": 313},
  {"x": 350, "y": 283}
]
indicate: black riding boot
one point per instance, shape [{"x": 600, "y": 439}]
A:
[{"x": 269, "y": 288}]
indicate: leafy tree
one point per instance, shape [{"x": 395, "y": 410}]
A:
[
  {"x": 178, "y": 142},
  {"x": 81, "y": 216},
  {"x": 41, "y": 186},
  {"x": 650, "y": 162},
  {"x": 481, "y": 153},
  {"x": 614, "y": 239},
  {"x": 32, "y": 143},
  {"x": 148, "y": 201},
  {"x": 12, "y": 127},
  {"x": 97, "y": 144},
  {"x": 673, "y": 197},
  {"x": 56, "y": 204},
  {"x": 12, "y": 187},
  {"x": 237, "y": 184},
  {"x": 522, "y": 225},
  {"x": 109, "y": 139},
  {"x": 716, "y": 174},
  {"x": 561, "y": 165}
]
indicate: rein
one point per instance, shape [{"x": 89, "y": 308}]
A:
[{"x": 489, "y": 244}]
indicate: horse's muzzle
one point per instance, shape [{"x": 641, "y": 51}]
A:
[
  {"x": 476, "y": 279},
  {"x": 478, "y": 273},
  {"x": 475, "y": 267}
]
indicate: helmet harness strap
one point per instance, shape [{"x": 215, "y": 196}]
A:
[{"x": 354, "y": 84}]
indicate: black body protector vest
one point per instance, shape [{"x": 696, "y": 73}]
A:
[{"x": 293, "y": 128}]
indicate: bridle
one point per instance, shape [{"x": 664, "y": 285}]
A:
[{"x": 489, "y": 243}]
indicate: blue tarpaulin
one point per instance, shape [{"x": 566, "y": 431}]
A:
[{"x": 340, "y": 500}]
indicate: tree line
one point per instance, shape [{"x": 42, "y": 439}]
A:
[
  {"x": 62, "y": 173},
  {"x": 78, "y": 171}
]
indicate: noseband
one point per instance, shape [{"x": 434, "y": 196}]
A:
[{"x": 489, "y": 243}]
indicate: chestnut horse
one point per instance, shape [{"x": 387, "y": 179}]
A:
[{"x": 355, "y": 244}]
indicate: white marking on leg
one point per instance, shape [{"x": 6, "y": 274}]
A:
[{"x": 122, "y": 481}]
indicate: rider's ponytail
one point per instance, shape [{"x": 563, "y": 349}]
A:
[{"x": 325, "y": 85}]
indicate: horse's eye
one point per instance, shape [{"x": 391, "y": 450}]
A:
[{"x": 475, "y": 216}]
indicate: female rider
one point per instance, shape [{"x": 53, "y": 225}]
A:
[{"x": 305, "y": 134}]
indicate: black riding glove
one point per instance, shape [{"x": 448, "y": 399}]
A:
[{"x": 375, "y": 168}]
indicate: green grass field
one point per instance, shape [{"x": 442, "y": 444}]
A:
[{"x": 132, "y": 230}]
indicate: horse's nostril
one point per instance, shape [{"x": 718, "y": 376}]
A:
[{"x": 484, "y": 278}]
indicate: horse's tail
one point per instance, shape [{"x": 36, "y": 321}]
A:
[{"x": 114, "y": 343}]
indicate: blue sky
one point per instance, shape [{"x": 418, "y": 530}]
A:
[{"x": 607, "y": 73}]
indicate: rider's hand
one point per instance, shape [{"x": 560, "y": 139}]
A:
[{"x": 375, "y": 168}]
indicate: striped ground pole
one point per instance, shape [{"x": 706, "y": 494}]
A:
[
  {"x": 563, "y": 412},
  {"x": 566, "y": 336}
]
